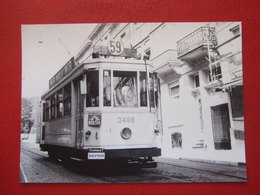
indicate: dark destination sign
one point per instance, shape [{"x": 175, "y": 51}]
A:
[{"x": 67, "y": 68}]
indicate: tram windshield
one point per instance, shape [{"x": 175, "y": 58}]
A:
[
  {"x": 125, "y": 89},
  {"x": 120, "y": 89},
  {"x": 92, "y": 89}
]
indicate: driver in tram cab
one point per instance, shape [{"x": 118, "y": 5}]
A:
[{"x": 107, "y": 89}]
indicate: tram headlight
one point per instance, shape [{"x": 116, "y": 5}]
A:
[
  {"x": 88, "y": 133},
  {"x": 126, "y": 133}
]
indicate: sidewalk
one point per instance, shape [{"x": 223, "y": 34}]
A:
[
  {"x": 31, "y": 138},
  {"x": 218, "y": 168}
]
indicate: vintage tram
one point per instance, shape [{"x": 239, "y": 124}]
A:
[{"x": 102, "y": 110}]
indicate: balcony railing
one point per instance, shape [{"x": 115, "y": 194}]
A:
[
  {"x": 196, "y": 39},
  {"x": 233, "y": 70}
]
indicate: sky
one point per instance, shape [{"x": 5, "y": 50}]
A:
[{"x": 45, "y": 49}]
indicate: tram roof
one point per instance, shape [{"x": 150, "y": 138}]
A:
[{"x": 78, "y": 69}]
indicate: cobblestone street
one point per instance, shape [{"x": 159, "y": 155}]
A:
[{"x": 36, "y": 167}]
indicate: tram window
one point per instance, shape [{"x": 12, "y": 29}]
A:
[
  {"x": 107, "y": 87},
  {"x": 143, "y": 89},
  {"x": 67, "y": 99},
  {"x": 125, "y": 89},
  {"x": 59, "y": 103},
  {"x": 152, "y": 94},
  {"x": 44, "y": 112},
  {"x": 53, "y": 102},
  {"x": 47, "y": 109},
  {"x": 92, "y": 89},
  {"x": 156, "y": 90}
]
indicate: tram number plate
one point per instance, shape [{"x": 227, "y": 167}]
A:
[
  {"x": 126, "y": 119},
  {"x": 96, "y": 155}
]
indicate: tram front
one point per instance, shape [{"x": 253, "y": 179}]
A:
[{"x": 120, "y": 117}]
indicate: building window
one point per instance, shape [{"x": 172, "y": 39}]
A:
[
  {"x": 196, "y": 80},
  {"x": 235, "y": 30},
  {"x": 107, "y": 87},
  {"x": 143, "y": 89},
  {"x": 123, "y": 35},
  {"x": 174, "y": 89},
  {"x": 148, "y": 54},
  {"x": 216, "y": 73},
  {"x": 67, "y": 99},
  {"x": 93, "y": 89},
  {"x": 176, "y": 140}
]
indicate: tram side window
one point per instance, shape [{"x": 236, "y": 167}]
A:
[
  {"x": 47, "y": 109},
  {"x": 67, "y": 99},
  {"x": 107, "y": 87},
  {"x": 143, "y": 89},
  {"x": 44, "y": 112},
  {"x": 53, "y": 102},
  {"x": 125, "y": 89},
  {"x": 152, "y": 94},
  {"x": 156, "y": 90},
  {"x": 60, "y": 103},
  {"x": 92, "y": 89}
]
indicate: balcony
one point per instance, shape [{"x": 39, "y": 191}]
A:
[
  {"x": 166, "y": 65},
  {"x": 195, "y": 45},
  {"x": 165, "y": 58}
]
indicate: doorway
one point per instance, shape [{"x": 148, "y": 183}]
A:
[
  {"x": 79, "y": 98},
  {"x": 221, "y": 126}
]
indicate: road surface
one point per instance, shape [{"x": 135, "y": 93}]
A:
[{"x": 36, "y": 167}]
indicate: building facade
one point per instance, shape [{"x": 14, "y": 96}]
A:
[{"x": 200, "y": 68}]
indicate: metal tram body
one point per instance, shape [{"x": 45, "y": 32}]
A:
[{"x": 102, "y": 110}]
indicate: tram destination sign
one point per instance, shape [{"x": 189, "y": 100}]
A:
[
  {"x": 115, "y": 48},
  {"x": 66, "y": 69}
]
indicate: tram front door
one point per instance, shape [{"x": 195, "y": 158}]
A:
[{"x": 79, "y": 114}]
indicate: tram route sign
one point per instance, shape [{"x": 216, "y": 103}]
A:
[
  {"x": 115, "y": 48},
  {"x": 66, "y": 69}
]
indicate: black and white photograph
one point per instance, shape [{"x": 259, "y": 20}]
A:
[{"x": 132, "y": 103}]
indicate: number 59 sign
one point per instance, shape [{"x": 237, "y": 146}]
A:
[{"x": 115, "y": 47}]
